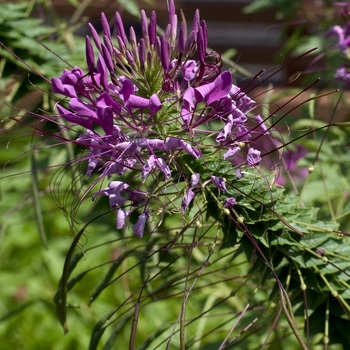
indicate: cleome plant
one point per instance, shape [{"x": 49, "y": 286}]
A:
[{"x": 176, "y": 186}]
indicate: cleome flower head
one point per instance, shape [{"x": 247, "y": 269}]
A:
[{"x": 150, "y": 111}]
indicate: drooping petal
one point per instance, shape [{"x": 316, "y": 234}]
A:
[
  {"x": 231, "y": 152},
  {"x": 224, "y": 134},
  {"x": 154, "y": 104},
  {"x": 139, "y": 227},
  {"x": 253, "y": 157},
  {"x": 219, "y": 182},
  {"x": 195, "y": 180},
  {"x": 187, "y": 199},
  {"x": 230, "y": 202},
  {"x": 63, "y": 89},
  {"x": 121, "y": 216},
  {"x": 73, "y": 118}
]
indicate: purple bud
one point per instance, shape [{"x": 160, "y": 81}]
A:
[
  {"x": 102, "y": 69},
  {"x": 171, "y": 10},
  {"x": 120, "y": 28},
  {"x": 195, "y": 22},
  {"x": 219, "y": 182},
  {"x": 173, "y": 29},
  {"x": 164, "y": 53},
  {"x": 144, "y": 27},
  {"x": 201, "y": 45},
  {"x": 105, "y": 26},
  {"x": 190, "y": 42},
  {"x": 152, "y": 28},
  {"x": 108, "y": 44},
  {"x": 142, "y": 54},
  {"x": 230, "y": 202},
  {"x": 90, "y": 58},
  {"x": 132, "y": 36},
  {"x": 95, "y": 36},
  {"x": 205, "y": 34},
  {"x": 253, "y": 157},
  {"x": 139, "y": 227},
  {"x": 182, "y": 38},
  {"x": 108, "y": 59}
]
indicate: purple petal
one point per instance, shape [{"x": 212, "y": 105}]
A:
[
  {"x": 261, "y": 123},
  {"x": 137, "y": 102},
  {"x": 105, "y": 100},
  {"x": 151, "y": 144},
  {"x": 253, "y": 157},
  {"x": 127, "y": 89},
  {"x": 231, "y": 152},
  {"x": 238, "y": 173},
  {"x": 219, "y": 182},
  {"x": 63, "y": 89},
  {"x": 82, "y": 109},
  {"x": 122, "y": 214},
  {"x": 113, "y": 192},
  {"x": 189, "y": 70},
  {"x": 154, "y": 104},
  {"x": 105, "y": 116},
  {"x": 139, "y": 227},
  {"x": 175, "y": 143},
  {"x": 226, "y": 131},
  {"x": 216, "y": 90},
  {"x": 187, "y": 200},
  {"x": 72, "y": 118},
  {"x": 195, "y": 180},
  {"x": 230, "y": 202}
]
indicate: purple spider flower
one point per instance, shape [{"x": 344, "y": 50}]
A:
[{"x": 146, "y": 108}]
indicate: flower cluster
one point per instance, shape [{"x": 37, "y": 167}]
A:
[{"x": 150, "y": 109}]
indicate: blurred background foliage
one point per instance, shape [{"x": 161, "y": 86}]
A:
[{"x": 35, "y": 234}]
